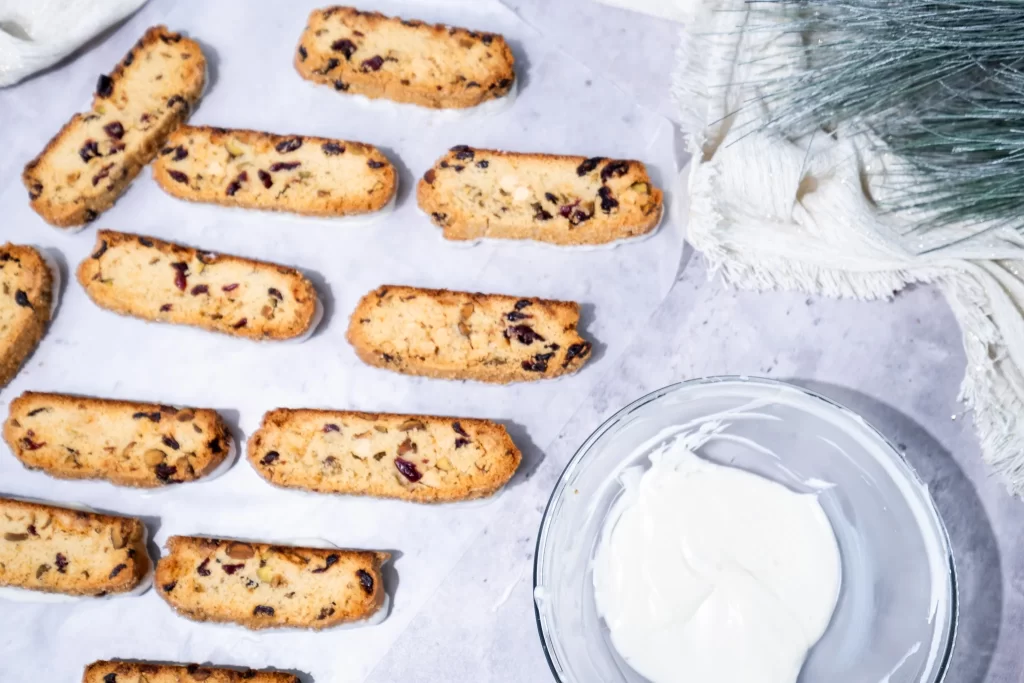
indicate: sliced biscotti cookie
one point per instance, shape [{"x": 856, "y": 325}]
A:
[
  {"x": 295, "y": 173},
  {"x": 462, "y": 335},
  {"x": 131, "y": 444},
  {"x": 409, "y": 457},
  {"x": 474, "y": 193},
  {"x": 96, "y": 155},
  {"x": 165, "y": 282},
  {"x": 138, "y": 672},
  {"x": 26, "y": 297},
  {"x": 60, "y": 550},
  {"x": 259, "y": 585},
  {"x": 434, "y": 66}
]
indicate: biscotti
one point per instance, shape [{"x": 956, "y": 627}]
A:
[
  {"x": 165, "y": 282},
  {"x": 137, "y": 672},
  {"x": 436, "y": 66},
  {"x": 132, "y": 444},
  {"x": 26, "y": 297},
  {"x": 476, "y": 193},
  {"x": 59, "y": 550},
  {"x": 461, "y": 335},
  {"x": 96, "y": 155},
  {"x": 295, "y": 173},
  {"x": 260, "y": 586},
  {"x": 409, "y": 457}
]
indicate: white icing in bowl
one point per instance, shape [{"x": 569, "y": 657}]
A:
[{"x": 895, "y": 619}]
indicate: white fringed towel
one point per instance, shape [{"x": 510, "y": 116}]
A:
[
  {"x": 775, "y": 213},
  {"x": 36, "y": 34}
]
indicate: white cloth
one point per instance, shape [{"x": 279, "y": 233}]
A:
[
  {"x": 770, "y": 212},
  {"x": 35, "y": 34}
]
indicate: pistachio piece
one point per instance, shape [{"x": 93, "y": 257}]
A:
[
  {"x": 153, "y": 457},
  {"x": 14, "y": 538},
  {"x": 642, "y": 188},
  {"x": 444, "y": 464},
  {"x": 466, "y": 310},
  {"x": 411, "y": 424},
  {"x": 240, "y": 551},
  {"x": 117, "y": 538},
  {"x": 264, "y": 574},
  {"x": 42, "y": 569},
  {"x": 234, "y": 148}
]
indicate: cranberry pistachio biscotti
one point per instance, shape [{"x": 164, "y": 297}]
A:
[
  {"x": 26, "y": 298},
  {"x": 161, "y": 281},
  {"x": 435, "y": 66},
  {"x": 139, "y": 672},
  {"x": 409, "y": 457},
  {"x": 131, "y": 444},
  {"x": 59, "y": 550},
  {"x": 94, "y": 158},
  {"x": 464, "y": 335},
  {"x": 294, "y": 173},
  {"x": 258, "y": 585},
  {"x": 475, "y": 193}
]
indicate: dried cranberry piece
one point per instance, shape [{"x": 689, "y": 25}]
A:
[
  {"x": 460, "y": 442},
  {"x": 236, "y": 184},
  {"x": 181, "y": 270},
  {"x": 35, "y": 191},
  {"x": 332, "y": 149},
  {"x": 177, "y": 99},
  {"x": 331, "y": 427},
  {"x": 114, "y": 130},
  {"x": 90, "y": 150},
  {"x": 164, "y": 472},
  {"x": 608, "y": 202},
  {"x": 576, "y": 351},
  {"x": 284, "y": 166},
  {"x": 463, "y": 152},
  {"x": 240, "y": 324},
  {"x": 483, "y": 163},
  {"x": 365, "y": 581},
  {"x": 203, "y": 568},
  {"x": 329, "y": 562},
  {"x": 373, "y": 163},
  {"x": 230, "y": 288},
  {"x": 539, "y": 363},
  {"x": 439, "y": 218},
  {"x": 214, "y": 445},
  {"x": 104, "y": 86},
  {"x": 154, "y": 416},
  {"x": 524, "y": 334},
  {"x": 21, "y": 298},
  {"x": 101, "y": 251},
  {"x": 540, "y": 214},
  {"x": 331, "y": 64},
  {"x": 325, "y": 612},
  {"x": 230, "y": 569},
  {"x": 588, "y": 166},
  {"x": 117, "y": 570},
  {"x": 270, "y": 457},
  {"x": 487, "y": 39},
  {"x": 178, "y": 176},
  {"x": 168, "y": 587},
  {"x": 302, "y": 52},
  {"x": 372, "y": 64},
  {"x": 276, "y": 293},
  {"x": 289, "y": 145},
  {"x": 165, "y": 308},
  {"x": 110, "y": 678},
  {"x": 522, "y": 303},
  {"x": 340, "y": 85},
  {"x": 62, "y": 563},
  {"x": 265, "y": 178},
  {"x": 458, "y": 168},
  {"x": 90, "y": 215},
  {"x": 103, "y": 173},
  {"x": 345, "y": 47},
  {"x": 180, "y": 153},
  {"x": 30, "y": 445},
  {"x": 513, "y": 316},
  {"x": 264, "y": 610},
  {"x": 457, "y": 426},
  {"x": 614, "y": 169},
  {"x": 430, "y": 176},
  {"x": 408, "y": 470},
  {"x": 579, "y": 216},
  {"x": 171, "y": 442},
  {"x": 169, "y": 38},
  {"x": 145, "y": 241},
  {"x": 551, "y": 198}
]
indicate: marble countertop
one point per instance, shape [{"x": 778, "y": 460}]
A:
[{"x": 897, "y": 363}]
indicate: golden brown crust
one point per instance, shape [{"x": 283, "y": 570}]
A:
[
  {"x": 127, "y": 443},
  {"x": 296, "y": 173},
  {"x": 161, "y": 281},
  {"x": 141, "y": 672},
  {"x": 26, "y": 296},
  {"x": 567, "y": 200},
  {"x": 464, "y": 335},
  {"x": 437, "y": 66},
  {"x": 58, "y": 550},
  {"x": 258, "y": 585},
  {"x": 420, "y": 458},
  {"x": 91, "y": 161}
]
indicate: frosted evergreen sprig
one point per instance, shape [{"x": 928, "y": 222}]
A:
[{"x": 940, "y": 83}]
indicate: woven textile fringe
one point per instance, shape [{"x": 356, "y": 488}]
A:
[{"x": 774, "y": 213}]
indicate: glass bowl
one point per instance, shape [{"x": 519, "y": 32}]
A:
[{"x": 896, "y": 615}]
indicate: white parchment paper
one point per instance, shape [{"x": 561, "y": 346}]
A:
[{"x": 562, "y": 107}]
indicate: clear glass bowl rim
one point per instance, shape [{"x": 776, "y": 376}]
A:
[{"x": 581, "y": 453}]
